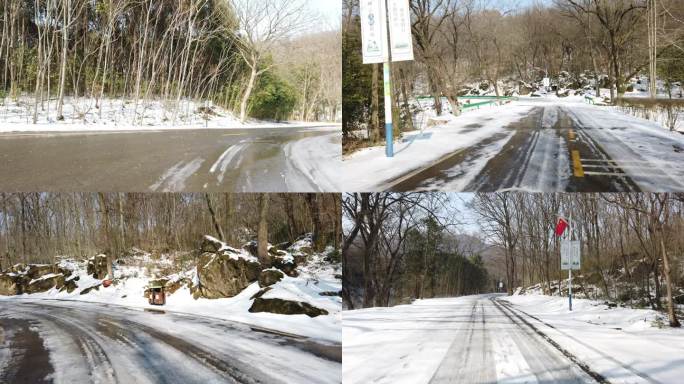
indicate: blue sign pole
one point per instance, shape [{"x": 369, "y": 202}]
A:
[
  {"x": 387, "y": 72},
  {"x": 389, "y": 130}
]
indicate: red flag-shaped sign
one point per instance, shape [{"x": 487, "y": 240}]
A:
[{"x": 561, "y": 226}]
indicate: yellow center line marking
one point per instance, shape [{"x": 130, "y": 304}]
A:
[{"x": 577, "y": 164}]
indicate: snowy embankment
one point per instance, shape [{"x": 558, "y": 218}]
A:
[
  {"x": 83, "y": 114},
  {"x": 369, "y": 167},
  {"x": 402, "y": 344},
  {"x": 316, "y": 278},
  {"x": 622, "y": 344}
]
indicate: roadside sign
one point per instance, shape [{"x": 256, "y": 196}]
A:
[
  {"x": 546, "y": 82},
  {"x": 400, "y": 30},
  {"x": 374, "y": 30},
  {"x": 570, "y": 255},
  {"x": 561, "y": 226}
]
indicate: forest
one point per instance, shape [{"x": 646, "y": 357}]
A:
[
  {"x": 40, "y": 227},
  {"x": 632, "y": 247},
  {"x": 399, "y": 247},
  {"x": 269, "y": 59},
  {"x": 497, "y": 46}
]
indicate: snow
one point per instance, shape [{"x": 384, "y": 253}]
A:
[
  {"x": 45, "y": 277},
  {"x": 649, "y": 154},
  {"x": 119, "y": 115},
  {"x": 233, "y": 253},
  {"x": 319, "y": 159},
  {"x": 402, "y": 344},
  {"x": 366, "y": 169},
  {"x": 624, "y": 345},
  {"x": 131, "y": 281}
]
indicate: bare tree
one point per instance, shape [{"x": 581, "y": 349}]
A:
[{"x": 263, "y": 25}]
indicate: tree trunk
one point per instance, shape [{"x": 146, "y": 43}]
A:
[
  {"x": 217, "y": 226},
  {"x": 262, "y": 232},
  {"x": 248, "y": 92},
  {"x": 62, "y": 74}
]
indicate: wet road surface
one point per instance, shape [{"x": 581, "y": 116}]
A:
[
  {"x": 236, "y": 160},
  {"x": 59, "y": 342},
  {"x": 553, "y": 149}
]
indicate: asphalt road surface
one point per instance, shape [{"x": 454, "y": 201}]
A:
[
  {"x": 235, "y": 160},
  {"x": 554, "y": 148},
  {"x": 495, "y": 344},
  {"x": 70, "y": 342}
]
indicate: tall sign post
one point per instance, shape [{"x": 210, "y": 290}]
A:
[
  {"x": 386, "y": 38},
  {"x": 570, "y": 252}
]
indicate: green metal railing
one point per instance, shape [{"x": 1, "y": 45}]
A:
[{"x": 486, "y": 100}]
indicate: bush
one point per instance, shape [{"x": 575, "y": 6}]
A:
[{"x": 273, "y": 99}]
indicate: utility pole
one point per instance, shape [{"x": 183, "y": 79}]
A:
[
  {"x": 387, "y": 75},
  {"x": 653, "y": 47}
]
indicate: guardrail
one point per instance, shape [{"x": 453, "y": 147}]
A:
[{"x": 486, "y": 100}]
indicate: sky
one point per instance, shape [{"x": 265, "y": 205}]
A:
[{"x": 330, "y": 10}]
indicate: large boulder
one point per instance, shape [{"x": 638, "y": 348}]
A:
[
  {"x": 97, "y": 266},
  {"x": 8, "y": 285},
  {"x": 225, "y": 272},
  {"x": 269, "y": 277},
  {"x": 45, "y": 283},
  {"x": 285, "y": 307},
  {"x": 36, "y": 271}
]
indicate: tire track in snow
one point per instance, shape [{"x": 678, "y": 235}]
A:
[
  {"x": 510, "y": 314},
  {"x": 99, "y": 368},
  {"x": 226, "y": 158},
  {"x": 517, "y": 312},
  {"x": 175, "y": 177}
]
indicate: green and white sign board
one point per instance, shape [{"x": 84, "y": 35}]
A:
[
  {"x": 570, "y": 255},
  {"x": 374, "y": 15}
]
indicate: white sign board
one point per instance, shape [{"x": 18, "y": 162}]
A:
[
  {"x": 400, "y": 30},
  {"x": 570, "y": 255},
  {"x": 374, "y": 30},
  {"x": 546, "y": 82}
]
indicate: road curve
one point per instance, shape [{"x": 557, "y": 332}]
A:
[
  {"x": 69, "y": 342},
  {"x": 209, "y": 160}
]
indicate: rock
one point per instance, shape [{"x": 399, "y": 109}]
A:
[
  {"x": 269, "y": 277},
  {"x": 286, "y": 264},
  {"x": 286, "y": 307},
  {"x": 260, "y": 293},
  {"x": 211, "y": 245},
  {"x": 225, "y": 274},
  {"x": 70, "y": 285},
  {"x": 172, "y": 286},
  {"x": 45, "y": 283},
  {"x": 95, "y": 287},
  {"x": 97, "y": 266},
  {"x": 8, "y": 285},
  {"x": 35, "y": 271}
]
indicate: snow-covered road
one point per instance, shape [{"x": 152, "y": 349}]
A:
[
  {"x": 535, "y": 144},
  {"x": 486, "y": 339},
  {"x": 212, "y": 160},
  {"x": 68, "y": 342}
]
